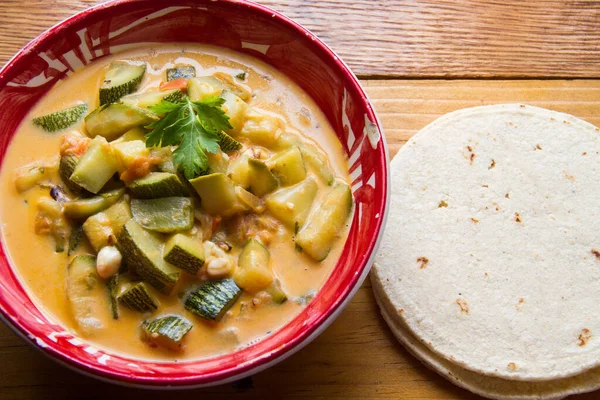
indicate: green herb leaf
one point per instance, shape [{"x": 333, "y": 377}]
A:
[{"x": 193, "y": 126}]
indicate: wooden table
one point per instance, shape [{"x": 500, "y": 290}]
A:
[{"x": 417, "y": 61}]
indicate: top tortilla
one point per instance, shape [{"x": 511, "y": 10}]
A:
[{"x": 491, "y": 254}]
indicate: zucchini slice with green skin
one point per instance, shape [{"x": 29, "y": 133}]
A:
[
  {"x": 253, "y": 273},
  {"x": 59, "y": 120},
  {"x": 217, "y": 193},
  {"x": 138, "y": 298},
  {"x": 185, "y": 252},
  {"x": 167, "y": 331},
  {"x": 291, "y": 205},
  {"x": 325, "y": 222},
  {"x": 84, "y": 291},
  {"x": 149, "y": 99},
  {"x": 112, "y": 286},
  {"x": 142, "y": 252},
  {"x": 164, "y": 215},
  {"x": 158, "y": 184},
  {"x": 75, "y": 238},
  {"x": 66, "y": 166},
  {"x": 113, "y": 120},
  {"x": 317, "y": 161},
  {"x": 288, "y": 167},
  {"x": 183, "y": 71},
  {"x": 83, "y": 208},
  {"x": 121, "y": 79},
  {"x": 212, "y": 299},
  {"x": 261, "y": 181},
  {"x": 227, "y": 143},
  {"x": 277, "y": 292},
  {"x": 96, "y": 166}
]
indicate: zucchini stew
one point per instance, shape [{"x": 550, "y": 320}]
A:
[{"x": 171, "y": 203}]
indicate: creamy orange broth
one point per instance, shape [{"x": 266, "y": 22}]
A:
[{"x": 43, "y": 271}]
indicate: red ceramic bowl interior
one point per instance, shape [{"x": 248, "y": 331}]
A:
[{"x": 244, "y": 27}]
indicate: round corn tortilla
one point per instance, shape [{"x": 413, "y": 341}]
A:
[
  {"x": 487, "y": 386},
  {"x": 491, "y": 255}
]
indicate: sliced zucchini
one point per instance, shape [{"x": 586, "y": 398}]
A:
[
  {"x": 138, "y": 298},
  {"x": 59, "y": 120},
  {"x": 239, "y": 170},
  {"x": 75, "y": 238},
  {"x": 103, "y": 229},
  {"x": 66, "y": 166},
  {"x": 212, "y": 299},
  {"x": 204, "y": 86},
  {"x": 291, "y": 205},
  {"x": 112, "y": 286},
  {"x": 148, "y": 99},
  {"x": 126, "y": 153},
  {"x": 167, "y": 331},
  {"x": 227, "y": 143},
  {"x": 165, "y": 215},
  {"x": 142, "y": 252},
  {"x": 183, "y": 71},
  {"x": 113, "y": 120},
  {"x": 121, "y": 79},
  {"x": 185, "y": 252},
  {"x": 158, "y": 184},
  {"x": 288, "y": 166},
  {"x": 317, "y": 161},
  {"x": 85, "y": 293},
  {"x": 253, "y": 273},
  {"x": 218, "y": 162},
  {"x": 235, "y": 108},
  {"x": 96, "y": 166},
  {"x": 83, "y": 208},
  {"x": 29, "y": 176},
  {"x": 260, "y": 180},
  {"x": 137, "y": 133},
  {"x": 277, "y": 292},
  {"x": 325, "y": 222},
  {"x": 217, "y": 193}
]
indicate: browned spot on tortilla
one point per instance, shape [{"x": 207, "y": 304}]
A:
[
  {"x": 485, "y": 274},
  {"x": 522, "y": 105},
  {"x": 474, "y": 220},
  {"x": 584, "y": 153},
  {"x": 423, "y": 261},
  {"x": 596, "y": 253},
  {"x": 538, "y": 147},
  {"x": 471, "y": 156},
  {"x": 569, "y": 176},
  {"x": 518, "y": 217},
  {"x": 464, "y": 306},
  {"x": 584, "y": 337},
  {"x": 519, "y": 303},
  {"x": 492, "y": 164},
  {"x": 512, "y": 367},
  {"x": 401, "y": 310},
  {"x": 485, "y": 186},
  {"x": 442, "y": 204},
  {"x": 507, "y": 195}
]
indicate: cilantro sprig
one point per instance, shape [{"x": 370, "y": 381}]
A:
[{"x": 193, "y": 127}]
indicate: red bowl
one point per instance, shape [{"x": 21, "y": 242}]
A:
[{"x": 244, "y": 27}]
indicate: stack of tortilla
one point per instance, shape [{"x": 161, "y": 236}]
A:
[{"x": 489, "y": 268}]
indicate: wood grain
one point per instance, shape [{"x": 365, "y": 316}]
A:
[
  {"x": 415, "y": 39},
  {"x": 357, "y": 357}
]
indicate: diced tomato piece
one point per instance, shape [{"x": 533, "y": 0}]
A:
[{"x": 180, "y": 84}]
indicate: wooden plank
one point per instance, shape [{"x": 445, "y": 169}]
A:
[
  {"x": 357, "y": 357},
  {"x": 423, "y": 38}
]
